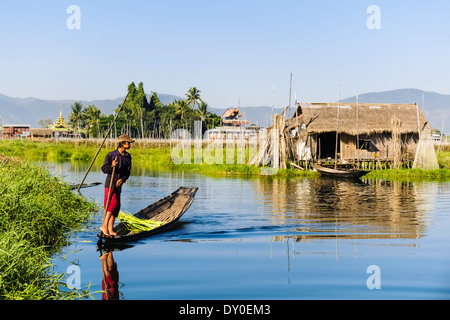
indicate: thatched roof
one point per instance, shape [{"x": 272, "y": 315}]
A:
[
  {"x": 359, "y": 118},
  {"x": 41, "y": 132}
]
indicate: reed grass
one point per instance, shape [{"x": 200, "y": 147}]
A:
[
  {"x": 37, "y": 212},
  {"x": 444, "y": 159},
  {"x": 410, "y": 174},
  {"x": 441, "y": 174}
]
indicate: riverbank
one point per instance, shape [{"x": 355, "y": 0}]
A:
[
  {"x": 157, "y": 155},
  {"x": 154, "y": 156},
  {"x": 37, "y": 213}
]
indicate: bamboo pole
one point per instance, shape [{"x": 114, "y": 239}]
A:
[
  {"x": 418, "y": 120},
  {"x": 440, "y": 142},
  {"x": 337, "y": 130},
  {"x": 282, "y": 125},
  {"x": 357, "y": 131},
  {"x": 275, "y": 143},
  {"x": 106, "y": 136},
  {"x": 290, "y": 95}
]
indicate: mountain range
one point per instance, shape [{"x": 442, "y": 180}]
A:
[{"x": 30, "y": 110}]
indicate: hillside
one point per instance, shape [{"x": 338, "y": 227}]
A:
[{"x": 31, "y": 110}]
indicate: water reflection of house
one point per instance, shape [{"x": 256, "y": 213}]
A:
[{"x": 331, "y": 208}]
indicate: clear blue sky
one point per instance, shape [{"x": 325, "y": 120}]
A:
[{"x": 228, "y": 49}]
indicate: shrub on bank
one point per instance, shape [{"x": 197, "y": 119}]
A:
[{"x": 37, "y": 211}]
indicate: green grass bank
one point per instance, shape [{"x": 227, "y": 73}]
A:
[
  {"x": 154, "y": 156},
  {"x": 37, "y": 213},
  {"x": 158, "y": 156}
]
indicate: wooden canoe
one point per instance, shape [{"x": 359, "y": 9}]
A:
[
  {"x": 168, "y": 210},
  {"x": 84, "y": 185},
  {"x": 347, "y": 174}
]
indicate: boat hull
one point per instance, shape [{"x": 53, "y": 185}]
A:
[
  {"x": 168, "y": 209},
  {"x": 343, "y": 174}
]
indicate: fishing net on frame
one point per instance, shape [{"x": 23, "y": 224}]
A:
[{"x": 425, "y": 157}]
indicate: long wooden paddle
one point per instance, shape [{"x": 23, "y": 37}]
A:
[
  {"x": 109, "y": 190},
  {"x": 101, "y": 146}
]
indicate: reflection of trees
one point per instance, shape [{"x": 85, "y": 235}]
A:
[{"x": 330, "y": 208}]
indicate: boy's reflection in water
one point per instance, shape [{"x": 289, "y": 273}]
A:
[{"x": 110, "y": 281}]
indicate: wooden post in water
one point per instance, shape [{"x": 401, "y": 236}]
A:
[
  {"x": 275, "y": 143},
  {"x": 357, "y": 132},
  {"x": 396, "y": 142},
  {"x": 337, "y": 130},
  {"x": 282, "y": 125}
]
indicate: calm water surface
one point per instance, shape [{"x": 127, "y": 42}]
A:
[{"x": 268, "y": 238}]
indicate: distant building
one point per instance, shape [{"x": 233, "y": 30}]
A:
[
  {"x": 60, "y": 123},
  {"x": 232, "y": 127},
  {"x": 436, "y": 137},
  {"x": 231, "y": 133},
  {"x": 233, "y": 118},
  {"x": 41, "y": 133},
  {"x": 60, "y": 128},
  {"x": 15, "y": 131}
]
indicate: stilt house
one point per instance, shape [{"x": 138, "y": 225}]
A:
[
  {"x": 356, "y": 131},
  {"x": 346, "y": 133}
]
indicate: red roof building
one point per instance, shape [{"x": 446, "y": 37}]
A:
[
  {"x": 15, "y": 130},
  {"x": 233, "y": 117}
]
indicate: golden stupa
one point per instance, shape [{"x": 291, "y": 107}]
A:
[{"x": 60, "y": 123}]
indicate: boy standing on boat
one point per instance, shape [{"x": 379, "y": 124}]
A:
[{"x": 117, "y": 167}]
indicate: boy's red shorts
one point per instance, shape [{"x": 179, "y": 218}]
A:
[{"x": 114, "y": 202}]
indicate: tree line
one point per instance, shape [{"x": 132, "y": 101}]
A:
[{"x": 144, "y": 118}]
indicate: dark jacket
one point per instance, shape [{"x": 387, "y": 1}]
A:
[{"x": 123, "y": 168}]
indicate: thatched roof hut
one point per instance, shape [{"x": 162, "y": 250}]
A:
[
  {"x": 41, "y": 133},
  {"x": 359, "y": 118},
  {"x": 344, "y": 133}
]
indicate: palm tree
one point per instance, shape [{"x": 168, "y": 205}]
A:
[
  {"x": 93, "y": 114},
  {"x": 203, "y": 112},
  {"x": 167, "y": 114},
  {"x": 182, "y": 108},
  {"x": 193, "y": 96},
  {"x": 76, "y": 115}
]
